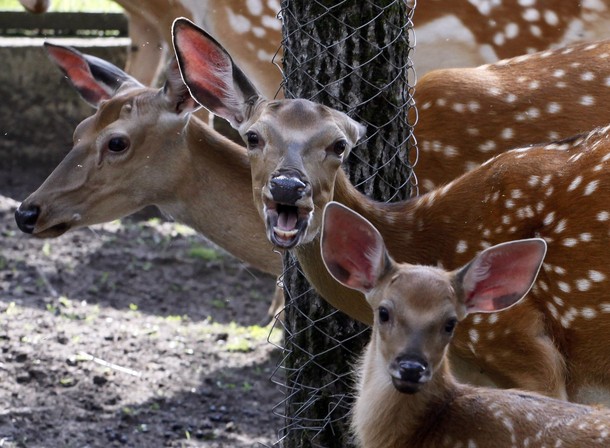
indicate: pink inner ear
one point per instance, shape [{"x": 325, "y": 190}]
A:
[
  {"x": 204, "y": 66},
  {"x": 351, "y": 248},
  {"x": 77, "y": 70},
  {"x": 502, "y": 275}
]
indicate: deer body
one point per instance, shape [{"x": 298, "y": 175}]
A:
[
  {"x": 143, "y": 147},
  {"x": 526, "y": 100},
  {"x": 468, "y": 34},
  {"x": 407, "y": 396},
  {"x": 550, "y": 342}
]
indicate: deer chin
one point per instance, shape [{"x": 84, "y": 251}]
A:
[
  {"x": 286, "y": 224},
  {"x": 53, "y": 231},
  {"x": 405, "y": 386},
  {"x": 406, "y": 383}
]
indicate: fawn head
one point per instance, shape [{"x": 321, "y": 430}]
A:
[
  {"x": 416, "y": 308},
  {"x": 118, "y": 154},
  {"x": 287, "y": 140}
]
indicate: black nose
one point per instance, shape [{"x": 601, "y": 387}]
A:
[
  {"x": 26, "y": 217},
  {"x": 412, "y": 370},
  {"x": 287, "y": 189}
]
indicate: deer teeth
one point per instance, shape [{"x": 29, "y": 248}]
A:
[{"x": 285, "y": 233}]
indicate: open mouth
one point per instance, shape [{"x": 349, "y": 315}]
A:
[{"x": 286, "y": 224}]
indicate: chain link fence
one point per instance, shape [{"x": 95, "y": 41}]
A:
[{"x": 359, "y": 63}]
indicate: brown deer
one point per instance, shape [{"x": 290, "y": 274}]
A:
[
  {"x": 466, "y": 34},
  {"x": 250, "y": 29},
  {"x": 449, "y": 33},
  {"x": 552, "y": 342},
  {"x": 468, "y": 115},
  {"x": 142, "y": 147},
  {"x": 406, "y": 394}
]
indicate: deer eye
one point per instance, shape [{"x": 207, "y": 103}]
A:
[
  {"x": 384, "y": 314},
  {"x": 252, "y": 139},
  {"x": 339, "y": 147},
  {"x": 118, "y": 144},
  {"x": 450, "y": 325}
]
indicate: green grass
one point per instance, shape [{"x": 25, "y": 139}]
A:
[
  {"x": 68, "y": 6},
  {"x": 204, "y": 253}
]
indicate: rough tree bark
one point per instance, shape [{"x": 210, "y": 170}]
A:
[{"x": 351, "y": 55}]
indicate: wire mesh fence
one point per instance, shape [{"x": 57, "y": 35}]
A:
[{"x": 353, "y": 56}]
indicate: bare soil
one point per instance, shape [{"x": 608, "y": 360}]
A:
[{"x": 137, "y": 333}]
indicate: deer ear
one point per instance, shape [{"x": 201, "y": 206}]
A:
[
  {"x": 210, "y": 74},
  {"x": 176, "y": 92},
  {"x": 352, "y": 249},
  {"x": 501, "y": 275},
  {"x": 94, "y": 79}
]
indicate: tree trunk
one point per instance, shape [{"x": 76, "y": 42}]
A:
[{"x": 353, "y": 56}]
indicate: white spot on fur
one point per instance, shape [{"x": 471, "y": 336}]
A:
[
  {"x": 548, "y": 219},
  {"x": 255, "y": 7},
  {"x": 488, "y": 146},
  {"x": 551, "y": 18},
  {"x": 462, "y": 246},
  {"x": 583, "y": 284},
  {"x": 561, "y": 226},
  {"x": 575, "y": 183},
  {"x": 531, "y": 15},
  {"x": 588, "y": 313},
  {"x": 238, "y": 22},
  {"x": 570, "y": 242},
  {"x": 474, "y": 335},
  {"x": 596, "y": 276},
  {"x": 591, "y": 187},
  {"x": 603, "y": 216},
  {"x": 553, "y": 107}
]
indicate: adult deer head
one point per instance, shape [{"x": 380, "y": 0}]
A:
[
  {"x": 103, "y": 143},
  {"x": 280, "y": 136}
]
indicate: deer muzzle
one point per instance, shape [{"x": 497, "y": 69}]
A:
[
  {"x": 26, "y": 217},
  {"x": 409, "y": 374},
  {"x": 288, "y": 209}
]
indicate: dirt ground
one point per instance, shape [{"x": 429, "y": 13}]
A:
[{"x": 137, "y": 333}]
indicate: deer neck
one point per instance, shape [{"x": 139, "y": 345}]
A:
[
  {"x": 403, "y": 225},
  {"x": 213, "y": 194},
  {"x": 392, "y": 220},
  {"x": 411, "y": 417}
]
